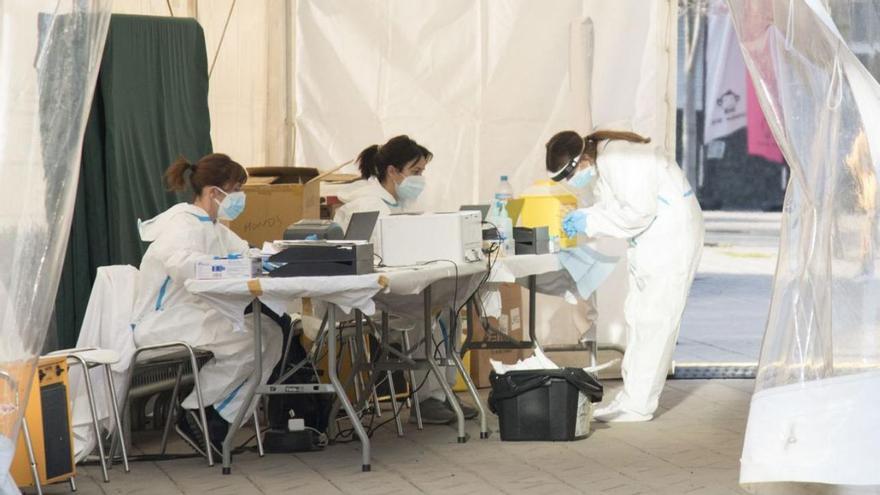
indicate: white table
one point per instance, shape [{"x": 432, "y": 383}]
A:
[
  {"x": 413, "y": 292},
  {"x": 230, "y": 297}
]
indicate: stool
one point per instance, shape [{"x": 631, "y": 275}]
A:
[{"x": 89, "y": 358}]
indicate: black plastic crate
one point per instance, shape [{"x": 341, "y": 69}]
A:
[{"x": 544, "y": 405}]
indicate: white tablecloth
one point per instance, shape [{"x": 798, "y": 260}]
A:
[
  {"x": 552, "y": 277},
  {"x": 513, "y": 268},
  {"x": 231, "y": 296},
  {"x": 406, "y": 284}
]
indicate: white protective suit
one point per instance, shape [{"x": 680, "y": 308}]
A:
[
  {"x": 645, "y": 199},
  {"x": 106, "y": 325},
  {"x": 369, "y": 195},
  {"x": 165, "y": 311},
  {"x": 362, "y": 196}
]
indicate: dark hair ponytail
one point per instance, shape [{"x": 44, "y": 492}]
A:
[
  {"x": 367, "y": 161},
  {"x": 214, "y": 170},
  {"x": 398, "y": 152}
]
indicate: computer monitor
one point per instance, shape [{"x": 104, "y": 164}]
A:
[{"x": 361, "y": 225}]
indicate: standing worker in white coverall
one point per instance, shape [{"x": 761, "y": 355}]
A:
[
  {"x": 165, "y": 311},
  {"x": 645, "y": 199}
]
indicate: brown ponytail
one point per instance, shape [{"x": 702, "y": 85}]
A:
[
  {"x": 215, "y": 169},
  {"x": 175, "y": 178},
  {"x": 592, "y": 140}
]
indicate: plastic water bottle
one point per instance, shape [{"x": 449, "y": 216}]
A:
[{"x": 499, "y": 217}]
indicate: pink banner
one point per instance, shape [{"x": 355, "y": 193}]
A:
[{"x": 760, "y": 138}]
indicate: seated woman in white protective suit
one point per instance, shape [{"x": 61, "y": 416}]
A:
[
  {"x": 644, "y": 198},
  {"x": 165, "y": 311},
  {"x": 392, "y": 176}
]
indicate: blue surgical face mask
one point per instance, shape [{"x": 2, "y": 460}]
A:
[
  {"x": 411, "y": 187},
  {"x": 232, "y": 205},
  {"x": 582, "y": 178}
]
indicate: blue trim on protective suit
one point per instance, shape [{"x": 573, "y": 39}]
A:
[
  {"x": 229, "y": 398},
  {"x": 202, "y": 218},
  {"x": 162, "y": 293}
]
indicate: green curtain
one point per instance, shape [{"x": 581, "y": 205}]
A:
[{"x": 150, "y": 106}]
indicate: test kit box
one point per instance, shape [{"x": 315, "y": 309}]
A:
[
  {"x": 414, "y": 239},
  {"x": 221, "y": 268},
  {"x": 277, "y": 197},
  {"x": 511, "y": 323}
]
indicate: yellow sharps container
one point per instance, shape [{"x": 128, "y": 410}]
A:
[{"x": 546, "y": 203}]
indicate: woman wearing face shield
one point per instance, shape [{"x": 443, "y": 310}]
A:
[
  {"x": 165, "y": 311},
  {"x": 645, "y": 199},
  {"x": 393, "y": 180}
]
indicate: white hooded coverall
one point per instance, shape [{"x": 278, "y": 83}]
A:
[
  {"x": 165, "y": 311},
  {"x": 644, "y": 198}
]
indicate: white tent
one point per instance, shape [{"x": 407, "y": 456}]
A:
[{"x": 483, "y": 84}]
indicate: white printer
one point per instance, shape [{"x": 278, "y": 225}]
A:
[{"x": 414, "y": 239}]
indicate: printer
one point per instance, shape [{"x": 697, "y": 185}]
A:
[
  {"x": 322, "y": 258},
  {"x": 414, "y": 239},
  {"x": 319, "y": 229}
]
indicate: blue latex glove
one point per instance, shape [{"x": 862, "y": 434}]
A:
[{"x": 574, "y": 222}]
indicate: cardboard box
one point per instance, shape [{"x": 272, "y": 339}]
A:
[
  {"x": 278, "y": 197},
  {"x": 509, "y": 323}
]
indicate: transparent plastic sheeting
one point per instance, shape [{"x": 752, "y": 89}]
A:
[
  {"x": 50, "y": 52},
  {"x": 813, "y": 423}
]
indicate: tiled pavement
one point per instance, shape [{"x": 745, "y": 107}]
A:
[{"x": 692, "y": 447}]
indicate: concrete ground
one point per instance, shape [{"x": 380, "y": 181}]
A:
[
  {"x": 692, "y": 447},
  {"x": 730, "y": 298}
]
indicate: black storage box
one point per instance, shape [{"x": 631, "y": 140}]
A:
[{"x": 544, "y": 405}]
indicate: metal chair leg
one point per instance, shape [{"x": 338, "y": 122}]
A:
[
  {"x": 31, "y": 458},
  {"x": 203, "y": 418},
  {"x": 374, "y": 392},
  {"x": 173, "y": 409},
  {"x": 259, "y": 433},
  {"x": 72, "y": 482},
  {"x": 90, "y": 393},
  {"x": 395, "y": 409},
  {"x": 358, "y": 385},
  {"x": 416, "y": 405},
  {"x": 115, "y": 406}
]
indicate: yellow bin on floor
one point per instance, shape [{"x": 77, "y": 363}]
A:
[{"x": 546, "y": 203}]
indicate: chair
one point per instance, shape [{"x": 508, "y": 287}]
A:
[
  {"x": 89, "y": 358},
  {"x": 182, "y": 353}
]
